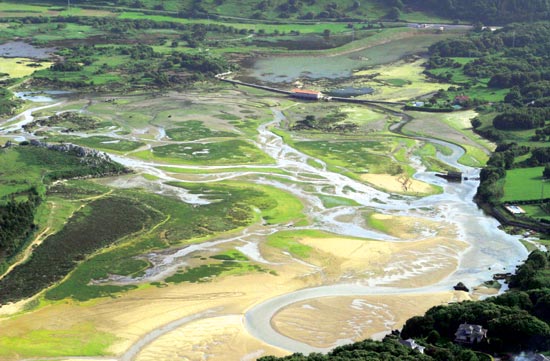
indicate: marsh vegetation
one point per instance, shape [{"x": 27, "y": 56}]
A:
[{"x": 242, "y": 206}]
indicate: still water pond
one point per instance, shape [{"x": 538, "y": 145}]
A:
[
  {"x": 19, "y": 49},
  {"x": 289, "y": 68}
]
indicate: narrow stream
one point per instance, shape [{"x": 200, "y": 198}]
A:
[{"x": 490, "y": 249}]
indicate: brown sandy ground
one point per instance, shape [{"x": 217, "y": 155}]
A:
[
  {"x": 131, "y": 316},
  {"x": 217, "y": 338},
  {"x": 330, "y": 321},
  {"x": 395, "y": 184},
  {"x": 221, "y": 336}
]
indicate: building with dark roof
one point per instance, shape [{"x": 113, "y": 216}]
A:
[{"x": 468, "y": 334}]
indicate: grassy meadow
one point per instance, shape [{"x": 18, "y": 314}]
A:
[{"x": 525, "y": 184}]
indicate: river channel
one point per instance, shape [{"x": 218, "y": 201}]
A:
[{"x": 489, "y": 250}]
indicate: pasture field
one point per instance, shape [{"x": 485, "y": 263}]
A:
[
  {"x": 20, "y": 67},
  {"x": 244, "y": 11},
  {"x": 535, "y": 211},
  {"x": 267, "y": 28},
  {"x": 523, "y": 184},
  {"x": 46, "y": 32}
]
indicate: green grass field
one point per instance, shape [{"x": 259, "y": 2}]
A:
[
  {"x": 525, "y": 184},
  {"x": 268, "y": 28},
  {"x": 230, "y": 263},
  {"x": 289, "y": 241},
  {"x": 536, "y": 211},
  {"x": 85, "y": 340}
]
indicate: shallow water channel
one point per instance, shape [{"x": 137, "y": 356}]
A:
[{"x": 489, "y": 249}]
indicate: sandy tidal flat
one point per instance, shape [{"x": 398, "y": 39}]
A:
[
  {"x": 396, "y": 184},
  {"x": 216, "y": 338},
  {"x": 330, "y": 321}
]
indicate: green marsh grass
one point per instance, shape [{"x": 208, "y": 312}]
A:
[{"x": 82, "y": 340}]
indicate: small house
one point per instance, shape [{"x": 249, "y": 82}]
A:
[
  {"x": 461, "y": 99},
  {"x": 306, "y": 94},
  {"x": 410, "y": 343},
  {"x": 468, "y": 334}
]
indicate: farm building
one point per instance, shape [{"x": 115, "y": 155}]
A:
[
  {"x": 306, "y": 94},
  {"x": 461, "y": 99}
]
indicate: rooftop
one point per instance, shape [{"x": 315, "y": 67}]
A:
[{"x": 304, "y": 91}]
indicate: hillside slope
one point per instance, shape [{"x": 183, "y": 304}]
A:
[{"x": 485, "y": 11}]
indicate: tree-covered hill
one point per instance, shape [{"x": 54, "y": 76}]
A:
[
  {"x": 486, "y": 11},
  {"x": 27, "y": 170}
]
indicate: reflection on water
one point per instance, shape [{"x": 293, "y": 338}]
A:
[
  {"x": 41, "y": 96},
  {"x": 287, "y": 69},
  {"x": 19, "y": 49},
  {"x": 349, "y": 92}
]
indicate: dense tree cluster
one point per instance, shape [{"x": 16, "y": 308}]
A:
[
  {"x": 66, "y": 66},
  {"x": 99, "y": 225},
  {"x": 17, "y": 222},
  {"x": 333, "y": 122},
  {"x": 522, "y": 118},
  {"x": 143, "y": 66},
  {"x": 517, "y": 320},
  {"x": 486, "y": 11},
  {"x": 366, "y": 350},
  {"x": 516, "y": 58},
  {"x": 7, "y": 101}
]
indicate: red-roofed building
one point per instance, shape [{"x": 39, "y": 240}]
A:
[
  {"x": 306, "y": 94},
  {"x": 461, "y": 99}
]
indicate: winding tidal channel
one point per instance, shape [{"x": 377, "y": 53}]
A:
[{"x": 489, "y": 250}]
